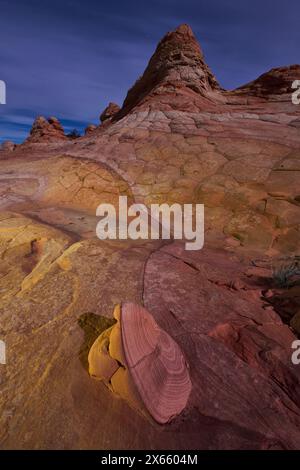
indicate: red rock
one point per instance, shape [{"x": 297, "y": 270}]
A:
[
  {"x": 7, "y": 146},
  {"x": 277, "y": 82},
  {"x": 109, "y": 112},
  {"x": 177, "y": 66},
  {"x": 239, "y": 353},
  {"x": 142, "y": 364},
  {"x": 156, "y": 364},
  {"x": 46, "y": 131},
  {"x": 90, "y": 129}
]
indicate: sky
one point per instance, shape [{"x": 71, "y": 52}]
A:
[{"x": 70, "y": 58}]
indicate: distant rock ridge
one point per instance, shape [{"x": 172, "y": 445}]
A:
[
  {"x": 46, "y": 130},
  {"x": 276, "y": 81}
]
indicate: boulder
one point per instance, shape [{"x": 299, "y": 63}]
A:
[{"x": 109, "y": 112}]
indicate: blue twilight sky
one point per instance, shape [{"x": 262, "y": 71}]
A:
[{"x": 69, "y": 58}]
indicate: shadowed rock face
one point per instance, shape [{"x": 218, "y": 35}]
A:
[
  {"x": 178, "y": 138},
  {"x": 109, "y": 112}
]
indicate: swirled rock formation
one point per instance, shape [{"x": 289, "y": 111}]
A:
[
  {"x": 157, "y": 365},
  {"x": 142, "y": 363}
]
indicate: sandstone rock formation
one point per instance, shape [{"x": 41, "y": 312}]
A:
[
  {"x": 179, "y": 137},
  {"x": 275, "y": 83},
  {"x": 142, "y": 363},
  {"x": 177, "y": 67},
  {"x": 89, "y": 129},
  {"x": 7, "y": 146},
  {"x": 109, "y": 112},
  {"x": 46, "y": 130}
]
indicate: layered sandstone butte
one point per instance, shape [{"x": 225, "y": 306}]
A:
[{"x": 179, "y": 137}]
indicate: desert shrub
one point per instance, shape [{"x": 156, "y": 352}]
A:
[
  {"x": 287, "y": 273},
  {"x": 74, "y": 134}
]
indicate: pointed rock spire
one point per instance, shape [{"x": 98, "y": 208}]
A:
[{"x": 176, "y": 64}]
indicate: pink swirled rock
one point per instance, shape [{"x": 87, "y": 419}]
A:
[
  {"x": 156, "y": 364},
  {"x": 141, "y": 363}
]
